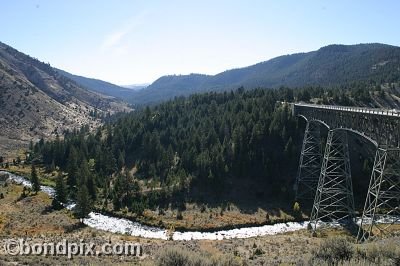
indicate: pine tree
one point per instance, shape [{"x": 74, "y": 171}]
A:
[
  {"x": 52, "y": 166},
  {"x": 83, "y": 197},
  {"x": 91, "y": 186},
  {"x": 31, "y": 146},
  {"x": 35, "y": 179},
  {"x": 121, "y": 160},
  {"x": 61, "y": 190},
  {"x": 83, "y": 203},
  {"x": 124, "y": 191},
  {"x": 72, "y": 168}
]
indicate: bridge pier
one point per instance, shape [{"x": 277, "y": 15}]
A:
[
  {"x": 310, "y": 163},
  {"x": 382, "y": 205},
  {"x": 334, "y": 195}
]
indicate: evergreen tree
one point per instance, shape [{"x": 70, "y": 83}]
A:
[
  {"x": 83, "y": 197},
  {"x": 124, "y": 191},
  {"x": 121, "y": 160},
  {"x": 52, "y": 166},
  {"x": 31, "y": 146},
  {"x": 72, "y": 168},
  {"x": 83, "y": 203},
  {"x": 35, "y": 179},
  {"x": 91, "y": 186},
  {"x": 61, "y": 190}
]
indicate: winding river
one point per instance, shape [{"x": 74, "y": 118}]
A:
[{"x": 125, "y": 226}]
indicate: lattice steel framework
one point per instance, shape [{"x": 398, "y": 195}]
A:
[
  {"x": 382, "y": 206},
  {"x": 334, "y": 195},
  {"x": 310, "y": 163},
  {"x": 333, "y": 198}
]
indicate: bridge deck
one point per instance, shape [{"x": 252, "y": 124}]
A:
[{"x": 364, "y": 110}]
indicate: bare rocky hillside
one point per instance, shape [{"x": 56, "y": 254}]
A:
[{"x": 37, "y": 101}]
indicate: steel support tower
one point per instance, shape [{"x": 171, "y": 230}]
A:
[
  {"x": 334, "y": 195},
  {"x": 382, "y": 206},
  {"x": 310, "y": 163}
]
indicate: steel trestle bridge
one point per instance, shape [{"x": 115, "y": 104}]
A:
[{"x": 325, "y": 177}]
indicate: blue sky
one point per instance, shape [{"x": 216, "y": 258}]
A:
[{"x": 127, "y": 42}]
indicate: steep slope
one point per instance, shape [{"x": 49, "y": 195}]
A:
[
  {"x": 36, "y": 101},
  {"x": 329, "y": 66},
  {"x": 100, "y": 86}
]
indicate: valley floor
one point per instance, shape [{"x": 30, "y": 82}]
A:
[
  {"x": 196, "y": 216},
  {"x": 31, "y": 218}
]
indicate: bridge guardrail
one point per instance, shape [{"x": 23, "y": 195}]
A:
[{"x": 365, "y": 110}]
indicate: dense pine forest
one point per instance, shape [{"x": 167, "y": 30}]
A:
[{"x": 208, "y": 147}]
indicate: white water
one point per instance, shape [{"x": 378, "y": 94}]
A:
[
  {"x": 22, "y": 181},
  {"x": 124, "y": 226}
]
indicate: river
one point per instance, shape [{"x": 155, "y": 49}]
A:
[{"x": 125, "y": 226}]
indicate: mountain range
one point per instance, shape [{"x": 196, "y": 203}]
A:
[
  {"x": 332, "y": 65},
  {"x": 38, "y": 100}
]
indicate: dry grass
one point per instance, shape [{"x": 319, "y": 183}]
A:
[
  {"x": 29, "y": 217},
  {"x": 342, "y": 251}
]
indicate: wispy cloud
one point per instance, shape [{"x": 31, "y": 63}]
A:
[{"x": 115, "y": 39}]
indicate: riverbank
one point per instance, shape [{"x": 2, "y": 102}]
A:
[
  {"x": 125, "y": 226},
  {"x": 31, "y": 217},
  {"x": 194, "y": 216}
]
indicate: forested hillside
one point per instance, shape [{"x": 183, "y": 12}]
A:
[
  {"x": 330, "y": 66},
  {"x": 213, "y": 147},
  {"x": 193, "y": 147}
]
